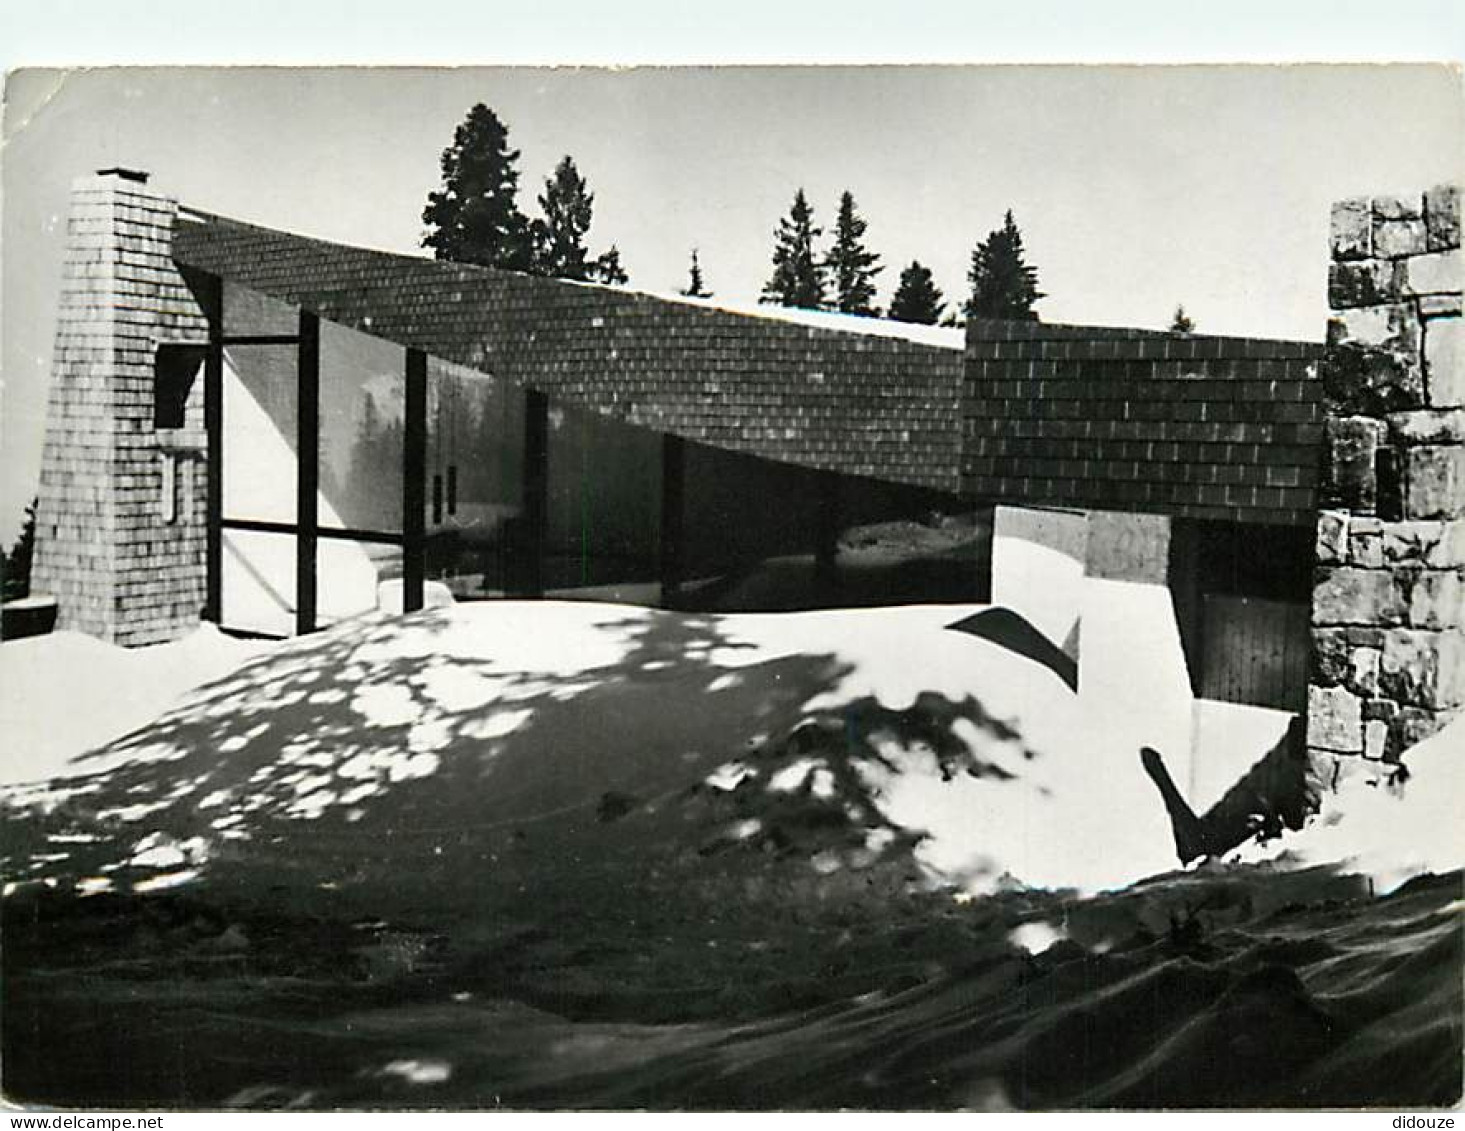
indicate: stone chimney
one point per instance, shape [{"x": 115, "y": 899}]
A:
[
  {"x": 1389, "y": 600},
  {"x": 120, "y": 523}
]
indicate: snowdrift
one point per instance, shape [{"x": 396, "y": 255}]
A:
[
  {"x": 1385, "y": 822},
  {"x": 64, "y": 694},
  {"x": 838, "y": 738},
  {"x": 565, "y": 855},
  {"x": 474, "y": 736}
]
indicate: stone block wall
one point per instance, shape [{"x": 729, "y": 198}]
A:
[
  {"x": 124, "y": 563},
  {"x": 1388, "y": 617}
]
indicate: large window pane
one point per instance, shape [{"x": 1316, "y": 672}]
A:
[
  {"x": 475, "y": 479},
  {"x": 353, "y": 578},
  {"x": 259, "y": 582},
  {"x": 260, "y": 424},
  {"x": 752, "y": 533},
  {"x": 361, "y": 423},
  {"x": 604, "y": 507},
  {"x": 248, "y": 312}
]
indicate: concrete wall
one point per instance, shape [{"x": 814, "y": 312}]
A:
[
  {"x": 1094, "y": 583},
  {"x": 125, "y": 564},
  {"x": 1131, "y": 655},
  {"x": 1038, "y": 561},
  {"x": 1389, "y": 599},
  {"x": 1128, "y": 547},
  {"x": 1103, "y": 585}
]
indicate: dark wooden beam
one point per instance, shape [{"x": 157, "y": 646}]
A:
[
  {"x": 307, "y": 471},
  {"x": 673, "y": 517},
  {"x": 414, "y": 483},
  {"x": 534, "y": 518}
]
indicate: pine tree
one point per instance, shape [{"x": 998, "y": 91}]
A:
[
  {"x": 1181, "y": 323},
  {"x": 474, "y": 217},
  {"x": 798, "y": 277},
  {"x": 917, "y": 298},
  {"x": 1003, "y": 284},
  {"x": 694, "y": 287},
  {"x": 559, "y": 235},
  {"x": 568, "y": 208},
  {"x": 852, "y": 266},
  {"x": 608, "y": 269},
  {"x": 17, "y": 563}
]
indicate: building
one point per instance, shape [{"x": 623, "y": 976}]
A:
[{"x": 273, "y": 432}]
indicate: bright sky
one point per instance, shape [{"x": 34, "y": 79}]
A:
[{"x": 1135, "y": 189}]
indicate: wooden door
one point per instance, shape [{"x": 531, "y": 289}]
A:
[{"x": 1254, "y": 651}]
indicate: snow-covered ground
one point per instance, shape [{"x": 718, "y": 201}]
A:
[
  {"x": 1007, "y": 774},
  {"x": 64, "y": 694},
  {"x": 568, "y": 854},
  {"x": 1387, "y": 829}
]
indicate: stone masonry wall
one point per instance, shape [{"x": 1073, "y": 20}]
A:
[
  {"x": 1389, "y": 598},
  {"x": 124, "y": 564}
]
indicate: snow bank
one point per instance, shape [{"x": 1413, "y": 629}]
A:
[
  {"x": 1388, "y": 829},
  {"x": 979, "y": 762},
  {"x": 987, "y": 757},
  {"x": 1038, "y": 567},
  {"x": 1228, "y": 738},
  {"x": 64, "y": 694},
  {"x": 1070, "y": 805}
]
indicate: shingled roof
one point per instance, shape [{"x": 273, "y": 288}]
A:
[
  {"x": 866, "y": 404},
  {"x": 1033, "y": 413}
]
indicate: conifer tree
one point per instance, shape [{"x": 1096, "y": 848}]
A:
[
  {"x": 15, "y": 576},
  {"x": 852, "y": 267},
  {"x": 568, "y": 207},
  {"x": 474, "y": 217},
  {"x": 798, "y": 276},
  {"x": 917, "y": 298},
  {"x": 694, "y": 287},
  {"x": 607, "y": 268},
  {"x": 1004, "y": 285}
]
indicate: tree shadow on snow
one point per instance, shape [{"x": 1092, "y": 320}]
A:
[{"x": 341, "y": 763}]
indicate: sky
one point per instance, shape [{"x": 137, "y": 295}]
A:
[{"x": 1136, "y": 188}]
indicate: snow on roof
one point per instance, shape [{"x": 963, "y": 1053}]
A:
[{"x": 946, "y": 337}]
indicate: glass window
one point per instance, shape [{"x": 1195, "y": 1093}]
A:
[
  {"x": 258, "y": 582},
  {"x": 260, "y": 424},
  {"x": 353, "y": 578},
  {"x": 362, "y": 397},
  {"x": 249, "y": 312},
  {"x": 475, "y": 479},
  {"x": 604, "y": 506}
]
